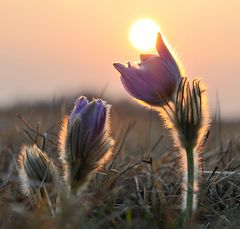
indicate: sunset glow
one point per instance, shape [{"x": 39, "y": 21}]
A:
[
  {"x": 143, "y": 34},
  {"x": 62, "y": 47}
]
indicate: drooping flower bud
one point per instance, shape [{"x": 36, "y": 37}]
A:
[
  {"x": 191, "y": 119},
  {"x": 155, "y": 80},
  {"x": 38, "y": 175},
  {"x": 191, "y": 114},
  {"x": 84, "y": 139},
  {"x": 188, "y": 120}
]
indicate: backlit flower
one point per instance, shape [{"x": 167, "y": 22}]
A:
[
  {"x": 84, "y": 139},
  {"x": 155, "y": 79}
]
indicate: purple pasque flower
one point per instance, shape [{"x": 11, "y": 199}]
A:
[
  {"x": 85, "y": 139},
  {"x": 155, "y": 79},
  {"x": 92, "y": 116},
  {"x": 80, "y": 103}
]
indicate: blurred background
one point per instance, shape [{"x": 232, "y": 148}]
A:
[
  {"x": 53, "y": 51},
  {"x": 50, "y": 49}
]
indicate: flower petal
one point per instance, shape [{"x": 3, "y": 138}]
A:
[
  {"x": 120, "y": 67},
  {"x": 80, "y": 103}
]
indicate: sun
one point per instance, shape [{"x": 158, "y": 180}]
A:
[{"x": 143, "y": 34}]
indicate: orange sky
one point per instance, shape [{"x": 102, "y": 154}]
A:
[{"x": 52, "y": 47}]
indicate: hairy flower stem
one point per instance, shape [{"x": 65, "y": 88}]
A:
[{"x": 190, "y": 182}]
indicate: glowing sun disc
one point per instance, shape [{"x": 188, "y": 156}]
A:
[{"x": 143, "y": 34}]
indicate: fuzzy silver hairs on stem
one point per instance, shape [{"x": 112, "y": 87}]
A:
[
  {"x": 158, "y": 81},
  {"x": 84, "y": 140},
  {"x": 188, "y": 121}
]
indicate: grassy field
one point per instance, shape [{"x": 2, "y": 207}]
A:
[{"x": 139, "y": 188}]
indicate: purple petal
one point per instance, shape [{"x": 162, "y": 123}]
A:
[
  {"x": 92, "y": 121},
  {"x": 166, "y": 55},
  {"x": 80, "y": 104},
  {"x": 162, "y": 48},
  {"x": 121, "y": 68}
]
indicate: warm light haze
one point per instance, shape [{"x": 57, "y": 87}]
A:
[
  {"x": 119, "y": 114},
  {"x": 143, "y": 34},
  {"x": 54, "y": 48}
]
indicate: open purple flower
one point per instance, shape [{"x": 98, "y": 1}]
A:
[
  {"x": 156, "y": 77},
  {"x": 85, "y": 139}
]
